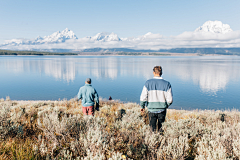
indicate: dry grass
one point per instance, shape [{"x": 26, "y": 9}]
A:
[{"x": 58, "y": 130}]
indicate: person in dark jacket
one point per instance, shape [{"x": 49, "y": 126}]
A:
[{"x": 88, "y": 94}]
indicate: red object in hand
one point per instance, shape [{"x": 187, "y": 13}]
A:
[{"x": 142, "y": 110}]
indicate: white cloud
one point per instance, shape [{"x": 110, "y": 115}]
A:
[{"x": 200, "y": 36}]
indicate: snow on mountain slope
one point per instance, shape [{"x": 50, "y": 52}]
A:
[
  {"x": 104, "y": 36},
  {"x": 56, "y": 37},
  {"x": 214, "y": 27},
  {"x": 59, "y": 36}
]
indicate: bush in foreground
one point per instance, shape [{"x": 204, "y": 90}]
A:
[{"x": 58, "y": 130}]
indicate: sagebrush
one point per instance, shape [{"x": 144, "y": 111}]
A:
[{"x": 58, "y": 130}]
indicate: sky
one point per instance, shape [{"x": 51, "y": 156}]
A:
[{"x": 126, "y": 18}]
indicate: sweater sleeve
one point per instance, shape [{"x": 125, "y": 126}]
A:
[
  {"x": 79, "y": 94},
  {"x": 144, "y": 97},
  {"x": 96, "y": 97},
  {"x": 168, "y": 95}
]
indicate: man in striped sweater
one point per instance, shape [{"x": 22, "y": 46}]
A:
[{"x": 157, "y": 96}]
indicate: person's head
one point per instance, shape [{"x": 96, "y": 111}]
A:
[
  {"x": 157, "y": 71},
  {"x": 88, "y": 81}
]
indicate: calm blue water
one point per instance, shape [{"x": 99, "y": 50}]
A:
[{"x": 197, "y": 82}]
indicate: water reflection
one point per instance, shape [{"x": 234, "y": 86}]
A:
[{"x": 211, "y": 74}]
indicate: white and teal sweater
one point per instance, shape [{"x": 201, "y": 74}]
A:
[{"x": 156, "y": 94}]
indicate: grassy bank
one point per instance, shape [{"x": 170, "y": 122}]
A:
[{"x": 58, "y": 130}]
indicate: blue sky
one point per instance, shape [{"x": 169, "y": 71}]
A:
[{"x": 127, "y": 18}]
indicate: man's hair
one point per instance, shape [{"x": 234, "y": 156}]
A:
[
  {"x": 88, "y": 80},
  {"x": 158, "y": 70}
]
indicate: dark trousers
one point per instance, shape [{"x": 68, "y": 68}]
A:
[{"x": 154, "y": 117}]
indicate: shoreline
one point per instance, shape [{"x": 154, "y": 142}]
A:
[{"x": 113, "y": 55}]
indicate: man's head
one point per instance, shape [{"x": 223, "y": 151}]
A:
[
  {"x": 157, "y": 71},
  {"x": 88, "y": 81}
]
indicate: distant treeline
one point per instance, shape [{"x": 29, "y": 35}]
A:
[
  {"x": 123, "y": 53},
  {"x": 221, "y": 51},
  {"x": 9, "y": 52},
  {"x": 126, "y": 51},
  {"x": 136, "y": 54}
]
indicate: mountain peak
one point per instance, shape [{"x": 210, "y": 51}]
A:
[
  {"x": 60, "y": 36},
  {"x": 66, "y": 29},
  {"x": 214, "y": 27},
  {"x": 64, "y": 35},
  {"x": 56, "y": 37},
  {"x": 105, "y": 36}
]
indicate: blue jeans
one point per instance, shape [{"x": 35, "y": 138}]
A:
[{"x": 154, "y": 117}]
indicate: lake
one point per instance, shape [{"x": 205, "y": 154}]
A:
[{"x": 202, "y": 82}]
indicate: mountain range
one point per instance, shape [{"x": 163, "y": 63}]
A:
[
  {"x": 61, "y": 37},
  {"x": 212, "y": 34}
]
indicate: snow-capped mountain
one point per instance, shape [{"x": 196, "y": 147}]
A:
[
  {"x": 59, "y": 36},
  {"x": 214, "y": 27},
  {"x": 56, "y": 37},
  {"x": 104, "y": 36}
]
